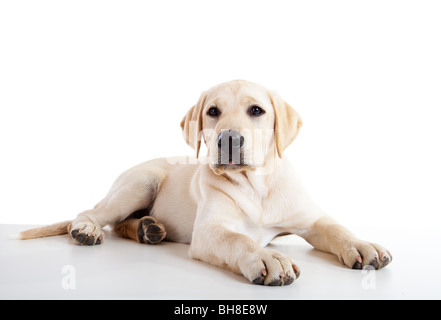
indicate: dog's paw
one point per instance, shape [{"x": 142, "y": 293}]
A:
[
  {"x": 360, "y": 254},
  {"x": 150, "y": 230},
  {"x": 269, "y": 268},
  {"x": 87, "y": 233}
]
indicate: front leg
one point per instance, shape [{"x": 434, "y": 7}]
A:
[
  {"x": 326, "y": 235},
  {"x": 215, "y": 244}
]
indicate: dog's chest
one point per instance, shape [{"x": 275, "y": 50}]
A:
[
  {"x": 259, "y": 204},
  {"x": 259, "y": 233}
]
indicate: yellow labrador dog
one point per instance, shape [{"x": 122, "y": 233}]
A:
[{"x": 229, "y": 205}]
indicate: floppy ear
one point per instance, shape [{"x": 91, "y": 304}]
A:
[
  {"x": 287, "y": 123},
  {"x": 192, "y": 125}
]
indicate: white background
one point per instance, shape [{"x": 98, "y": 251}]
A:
[{"x": 91, "y": 88}]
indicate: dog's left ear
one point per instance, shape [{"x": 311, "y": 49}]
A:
[
  {"x": 192, "y": 125},
  {"x": 287, "y": 123}
]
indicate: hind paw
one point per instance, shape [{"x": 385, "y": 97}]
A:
[
  {"x": 150, "y": 230},
  {"x": 86, "y": 233}
]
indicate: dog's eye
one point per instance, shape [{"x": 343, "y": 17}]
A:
[
  {"x": 213, "y": 112},
  {"x": 256, "y": 111}
]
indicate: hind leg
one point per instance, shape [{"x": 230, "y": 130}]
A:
[
  {"x": 134, "y": 190},
  {"x": 143, "y": 230}
]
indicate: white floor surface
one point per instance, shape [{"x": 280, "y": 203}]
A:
[{"x": 56, "y": 268}]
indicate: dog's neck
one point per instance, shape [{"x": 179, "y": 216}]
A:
[{"x": 258, "y": 180}]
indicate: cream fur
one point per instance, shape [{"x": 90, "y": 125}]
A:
[{"x": 229, "y": 216}]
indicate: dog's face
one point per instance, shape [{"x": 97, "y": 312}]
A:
[{"x": 242, "y": 124}]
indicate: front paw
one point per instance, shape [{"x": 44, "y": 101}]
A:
[
  {"x": 359, "y": 254},
  {"x": 269, "y": 268}
]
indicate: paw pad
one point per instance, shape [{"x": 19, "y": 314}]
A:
[{"x": 150, "y": 231}]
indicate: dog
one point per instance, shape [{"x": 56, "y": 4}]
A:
[{"x": 230, "y": 204}]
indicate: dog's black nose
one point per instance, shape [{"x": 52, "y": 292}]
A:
[
  {"x": 230, "y": 143},
  {"x": 230, "y": 139}
]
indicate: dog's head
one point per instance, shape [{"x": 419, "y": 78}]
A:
[{"x": 243, "y": 125}]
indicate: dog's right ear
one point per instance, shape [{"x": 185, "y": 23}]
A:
[{"x": 192, "y": 125}]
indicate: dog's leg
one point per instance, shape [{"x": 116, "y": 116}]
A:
[
  {"x": 215, "y": 244},
  {"x": 326, "y": 235},
  {"x": 143, "y": 230},
  {"x": 132, "y": 191}
]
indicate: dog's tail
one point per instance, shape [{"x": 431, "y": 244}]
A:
[{"x": 46, "y": 231}]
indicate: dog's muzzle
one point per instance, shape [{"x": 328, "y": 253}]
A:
[{"x": 230, "y": 148}]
